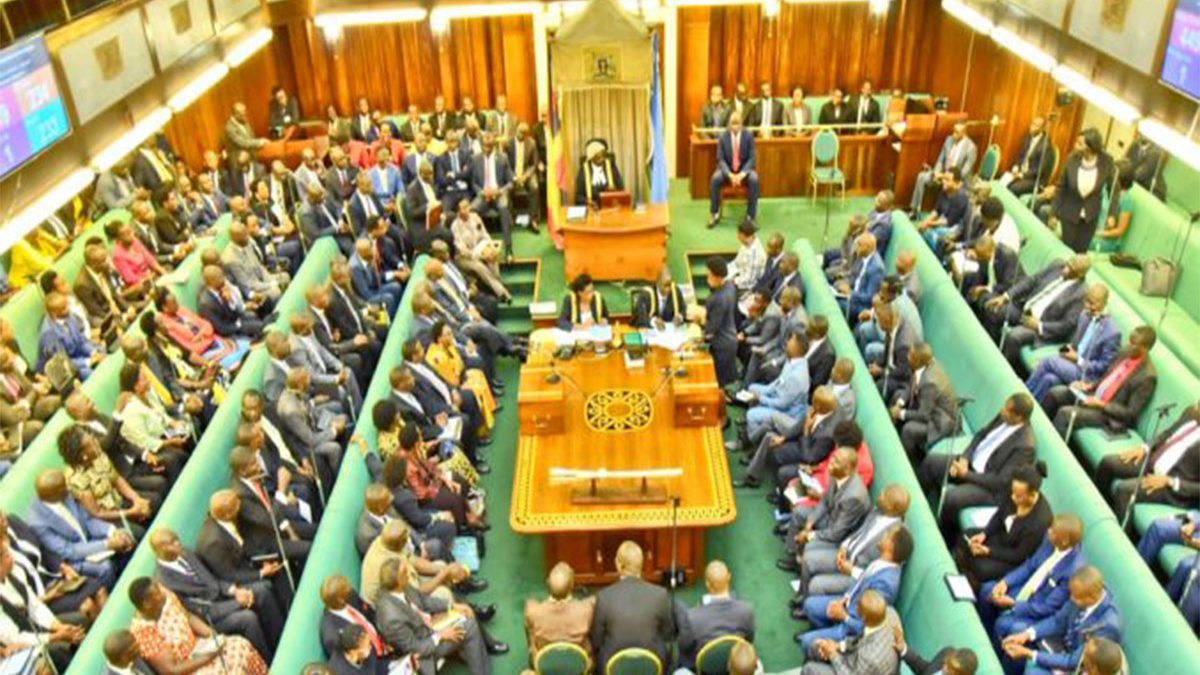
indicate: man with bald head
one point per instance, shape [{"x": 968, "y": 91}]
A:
[
  {"x": 1088, "y": 355},
  {"x": 840, "y": 511},
  {"x": 829, "y": 568},
  {"x": 248, "y": 609},
  {"x": 330, "y": 375},
  {"x": 222, "y": 305},
  {"x": 860, "y": 285},
  {"x": 631, "y": 612},
  {"x": 1102, "y": 656},
  {"x": 1037, "y": 588},
  {"x": 948, "y": 661},
  {"x": 925, "y": 406},
  {"x": 63, "y": 333},
  {"x": 71, "y": 536},
  {"x": 719, "y": 613},
  {"x": 984, "y": 270},
  {"x": 239, "y": 137},
  {"x": 243, "y": 262},
  {"x": 367, "y": 275},
  {"x": 1090, "y": 613},
  {"x": 1042, "y": 308},
  {"x": 222, "y": 547},
  {"x": 432, "y": 577},
  {"x": 872, "y": 654},
  {"x": 341, "y": 177},
  {"x": 560, "y": 617},
  {"x": 345, "y": 607}
]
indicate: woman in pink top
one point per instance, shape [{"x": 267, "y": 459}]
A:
[{"x": 132, "y": 260}]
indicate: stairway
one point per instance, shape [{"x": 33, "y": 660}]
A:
[
  {"x": 521, "y": 278},
  {"x": 697, "y": 263}
]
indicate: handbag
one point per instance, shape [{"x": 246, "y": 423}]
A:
[{"x": 1158, "y": 277}]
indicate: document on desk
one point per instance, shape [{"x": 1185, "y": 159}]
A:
[{"x": 671, "y": 337}]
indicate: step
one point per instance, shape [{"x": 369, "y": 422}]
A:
[
  {"x": 519, "y": 273},
  {"x": 514, "y": 311},
  {"x": 515, "y": 326}
]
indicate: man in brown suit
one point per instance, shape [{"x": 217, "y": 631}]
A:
[{"x": 559, "y": 618}]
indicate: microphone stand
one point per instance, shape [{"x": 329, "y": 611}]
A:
[
  {"x": 1160, "y": 414},
  {"x": 312, "y": 459},
  {"x": 42, "y": 645},
  {"x": 555, "y": 376},
  {"x": 963, "y": 402},
  {"x": 205, "y": 610},
  {"x": 287, "y": 564}
]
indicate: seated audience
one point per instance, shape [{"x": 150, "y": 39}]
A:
[
  {"x": 831, "y": 567},
  {"x": 1011, "y": 535},
  {"x": 560, "y": 618},
  {"x": 840, "y": 511},
  {"x": 1116, "y": 400},
  {"x": 863, "y": 279},
  {"x": 26, "y": 622},
  {"x": 1089, "y": 353},
  {"x": 25, "y": 405},
  {"x": 97, "y": 486},
  {"x": 491, "y": 182},
  {"x": 244, "y": 264},
  {"x": 222, "y": 305},
  {"x": 1030, "y": 170},
  {"x": 871, "y": 654},
  {"x": 63, "y": 337},
  {"x": 1172, "y": 468},
  {"x": 1039, "y": 309},
  {"x": 925, "y": 407},
  {"x": 957, "y": 153},
  {"x": 195, "y": 335}
]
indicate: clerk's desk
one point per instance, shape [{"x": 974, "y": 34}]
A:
[
  {"x": 602, "y": 415},
  {"x": 616, "y": 243}
]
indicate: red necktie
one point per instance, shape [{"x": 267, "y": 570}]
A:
[
  {"x": 262, "y": 494},
  {"x": 737, "y": 160},
  {"x": 1115, "y": 379},
  {"x": 362, "y": 622},
  {"x": 11, "y": 385}
]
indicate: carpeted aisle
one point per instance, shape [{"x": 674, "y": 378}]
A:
[{"x": 514, "y": 564}]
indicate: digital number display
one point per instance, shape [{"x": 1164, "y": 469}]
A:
[{"x": 32, "y": 115}]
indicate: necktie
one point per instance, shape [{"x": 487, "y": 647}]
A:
[
  {"x": 369, "y": 205},
  {"x": 489, "y": 172},
  {"x": 157, "y": 386},
  {"x": 358, "y": 618},
  {"x": 1089, "y": 334},
  {"x": 737, "y": 158},
  {"x": 1184, "y": 436},
  {"x": 454, "y": 163},
  {"x": 1115, "y": 379},
  {"x": 11, "y": 385}
]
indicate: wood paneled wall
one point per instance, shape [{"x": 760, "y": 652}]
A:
[
  {"x": 915, "y": 47},
  {"x": 402, "y": 64}
]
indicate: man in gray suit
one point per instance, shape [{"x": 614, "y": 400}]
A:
[
  {"x": 305, "y": 426},
  {"x": 329, "y": 375},
  {"x": 872, "y": 653},
  {"x": 411, "y": 622},
  {"x": 839, "y": 512},
  {"x": 631, "y": 612},
  {"x": 377, "y": 512},
  {"x": 925, "y": 407},
  {"x": 828, "y": 568},
  {"x": 719, "y": 614},
  {"x": 115, "y": 188},
  {"x": 246, "y": 269},
  {"x": 958, "y": 152}
]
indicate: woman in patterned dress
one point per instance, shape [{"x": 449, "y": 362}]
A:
[{"x": 167, "y": 637}]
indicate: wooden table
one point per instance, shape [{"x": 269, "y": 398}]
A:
[
  {"x": 682, "y": 428},
  {"x": 783, "y": 164},
  {"x": 618, "y": 243}
]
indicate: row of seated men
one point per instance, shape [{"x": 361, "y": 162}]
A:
[
  {"x": 314, "y": 379},
  {"x": 768, "y": 117},
  {"x": 1054, "y": 306}
]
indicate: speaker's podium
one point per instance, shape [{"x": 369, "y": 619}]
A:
[
  {"x": 616, "y": 241},
  {"x": 614, "y": 446}
]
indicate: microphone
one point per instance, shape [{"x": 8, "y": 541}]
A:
[
  {"x": 553, "y": 377},
  {"x": 1165, "y": 408},
  {"x": 965, "y": 400}
]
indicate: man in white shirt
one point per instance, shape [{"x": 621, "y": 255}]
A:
[
  {"x": 26, "y": 621},
  {"x": 751, "y": 259}
]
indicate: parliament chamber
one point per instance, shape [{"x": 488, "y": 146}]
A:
[{"x": 808, "y": 337}]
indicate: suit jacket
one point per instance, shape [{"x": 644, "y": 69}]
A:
[
  {"x": 366, "y": 279},
  {"x": 510, "y": 123},
  {"x": 1059, "y": 317},
  {"x": 385, "y": 182},
  {"x": 503, "y": 177},
  {"x": 67, "y": 337},
  {"x": 201, "y": 584},
  {"x": 872, "y": 654},
  {"x": 745, "y": 152},
  {"x": 402, "y": 627},
  {"x": 881, "y": 577},
  {"x": 632, "y": 613},
  {"x": 787, "y": 393},
  {"x": 1186, "y": 470},
  {"x": 60, "y": 540},
  {"x": 367, "y": 529},
  {"x": 332, "y": 624},
  {"x": 247, "y": 271},
  {"x": 896, "y": 348},
  {"x": 965, "y": 161},
  {"x": 345, "y": 312},
  {"x": 874, "y": 113},
  {"x": 144, "y": 173},
  {"x": 410, "y": 168},
  {"x": 417, "y": 204},
  {"x": 449, "y": 180},
  {"x": 279, "y": 117},
  {"x": 550, "y": 621},
  {"x": 794, "y": 116},
  {"x": 720, "y": 330},
  {"x": 296, "y": 422},
  {"x": 920, "y": 666},
  {"x": 225, "y": 317},
  {"x": 865, "y": 278},
  {"x": 409, "y": 129},
  {"x": 862, "y": 545},
  {"x": 172, "y": 228},
  {"x": 441, "y": 122},
  {"x": 1015, "y": 451},
  {"x": 820, "y": 364},
  {"x": 1013, "y": 544},
  {"x": 115, "y": 192},
  {"x": 714, "y": 116},
  {"x": 241, "y": 182},
  {"x": 339, "y": 183},
  {"x": 228, "y": 560},
  {"x": 254, "y": 519},
  {"x": 934, "y": 403},
  {"x": 357, "y": 208},
  {"x": 1125, "y": 407},
  {"x": 706, "y": 622},
  {"x": 831, "y": 114},
  {"x": 1074, "y": 631},
  {"x": 841, "y": 510},
  {"x": 325, "y": 220},
  {"x": 1103, "y": 348},
  {"x": 1052, "y": 594},
  {"x": 1005, "y": 268},
  {"x": 1035, "y": 158},
  {"x": 421, "y": 416},
  {"x": 1069, "y": 203},
  {"x": 774, "y": 118}
]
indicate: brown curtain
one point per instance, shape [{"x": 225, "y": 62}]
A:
[{"x": 620, "y": 116}]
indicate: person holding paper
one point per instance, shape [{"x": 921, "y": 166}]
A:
[{"x": 842, "y": 508}]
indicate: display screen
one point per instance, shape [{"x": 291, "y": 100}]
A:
[
  {"x": 32, "y": 115},
  {"x": 1181, "y": 64}
]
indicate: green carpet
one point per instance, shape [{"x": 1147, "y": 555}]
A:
[{"x": 514, "y": 564}]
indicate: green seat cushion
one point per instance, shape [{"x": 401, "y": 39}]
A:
[
  {"x": 828, "y": 175},
  {"x": 1145, "y": 514},
  {"x": 1172, "y": 555},
  {"x": 1095, "y": 444},
  {"x": 1032, "y": 356}
]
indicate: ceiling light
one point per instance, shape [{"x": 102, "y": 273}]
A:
[
  {"x": 1022, "y": 48},
  {"x": 1176, "y": 144},
  {"x": 202, "y": 83},
  {"x": 968, "y": 15},
  {"x": 246, "y": 48}
]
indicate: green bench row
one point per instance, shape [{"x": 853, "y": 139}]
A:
[
  {"x": 207, "y": 469},
  {"x": 932, "y": 618},
  {"x": 1153, "y": 626},
  {"x": 333, "y": 550}
]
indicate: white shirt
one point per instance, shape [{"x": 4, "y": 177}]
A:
[
  {"x": 1180, "y": 441},
  {"x": 988, "y": 446},
  {"x": 232, "y": 530},
  {"x": 39, "y": 614},
  {"x": 1007, "y": 234},
  {"x": 880, "y": 524},
  {"x": 1035, "y": 580},
  {"x": 813, "y": 346},
  {"x": 1038, "y": 303}
]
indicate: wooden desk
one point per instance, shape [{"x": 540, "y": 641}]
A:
[
  {"x": 783, "y": 163},
  {"x": 619, "y": 243},
  {"x": 587, "y": 536}
]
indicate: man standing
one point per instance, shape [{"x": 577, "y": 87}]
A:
[
  {"x": 735, "y": 166},
  {"x": 492, "y": 178},
  {"x": 239, "y": 136}
]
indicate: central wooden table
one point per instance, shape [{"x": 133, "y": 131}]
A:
[{"x": 603, "y": 415}]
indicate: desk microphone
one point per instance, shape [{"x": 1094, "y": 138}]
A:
[{"x": 555, "y": 376}]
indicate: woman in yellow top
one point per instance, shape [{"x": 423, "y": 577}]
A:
[
  {"x": 443, "y": 356},
  {"x": 31, "y": 256},
  {"x": 388, "y": 425}
]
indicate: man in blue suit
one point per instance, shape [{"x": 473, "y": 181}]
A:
[
  {"x": 364, "y": 204},
  {"x": 71, "y": 534},
  {"x": 410, "y": 169},
  {"x": 492, "y": 180},
  {"x": 781, "y": 404},
  {"x": 63, "y": 332},
  {"x": 1057, "y": 642},
  {"x": 1089, "y": 354},
  {"x": 385, "y": 180},
  {"x": 858, "y": 289},
  {"x": 735, "y": 166},
  {"x": 1038, "y": 587},
  {"x": 368, "y": 279},
  {"x": 452, "y": 174},
  {"x": 835, "y": 617}
]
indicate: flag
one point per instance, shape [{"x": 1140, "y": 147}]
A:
[
  {"x": 556, "y": 170},
  {"x": 658, "y": 153}
]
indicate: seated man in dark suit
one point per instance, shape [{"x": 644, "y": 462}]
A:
[
  {"x": 1057, "y": 643},
  {"x": 1117, "y": 399},
  {"x": 864, "y": 109},
  {"x": 597, "y": 174},
  {"x": 420, "y": 197},
  {"x": 250, "y": 611},
  {"x": 631, "y": 612},
  {"x": 321, "y": 215},
  {"x": 987, "y": 270},
  {"x": 223, "y": 550},
  {"x": 735, "y": 166},
  {"x": 1040, "y": 309},
  {"x": 1172, "y": 471},
  {"x": 720, "y": 613},
  {"x": 1033, "y": 163},
  {"x": 355, "y": 653},
  {"x": 369, "y": 280},
  {"x": 222, "y": 305},
  {"x": 807, "y": 441},
  {"x": 982, "y": 474},
  {"x": 828, "y": 568},
  {"x": 949, "y": 661},
  {"x": 344, "y": 608},
  {"x": 873, "y": 653},
  {"x": 453, "y": 174},
  {"x": 1011, "y": 535},
  {"x": 835, "y": 111}
]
